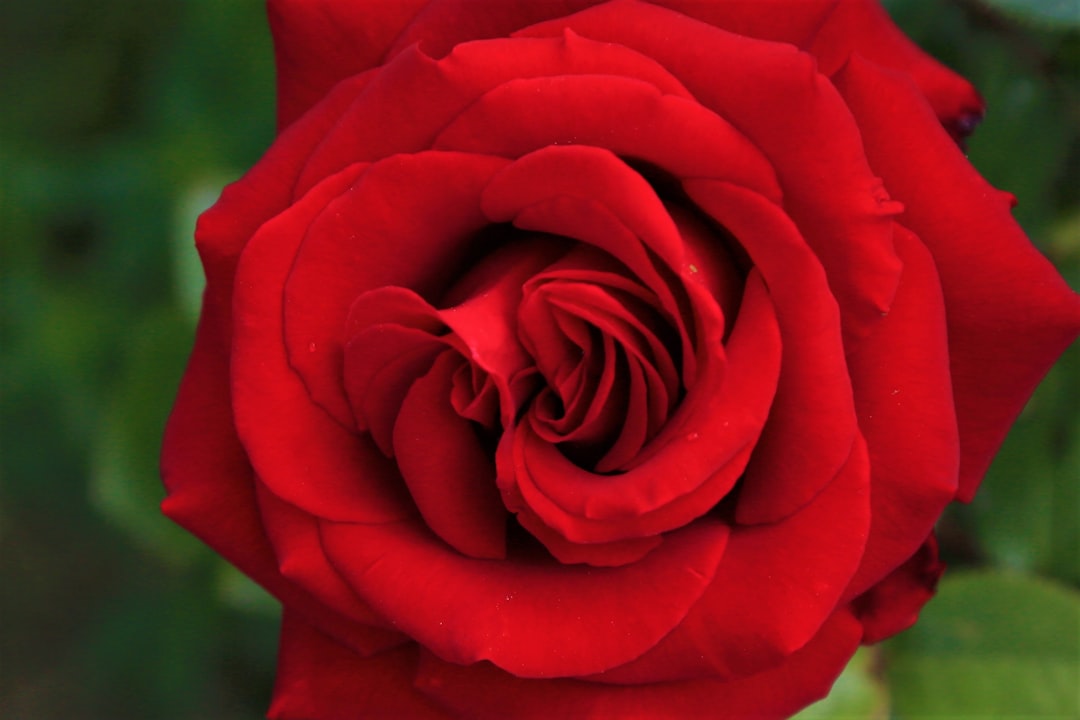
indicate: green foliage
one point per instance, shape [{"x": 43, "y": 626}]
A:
[
  {"x": 991, "y": 644},
  {"x": 117, "y": 115},
  {"x": 1055, "y": 13}
]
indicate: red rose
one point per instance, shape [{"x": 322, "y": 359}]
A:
[{"x": 565, "y": 359}]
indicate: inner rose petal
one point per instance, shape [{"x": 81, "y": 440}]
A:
[
  {"x": 381, "y": 364},
  {"x": 812, "y": 423},
  {"x": 591, "y": 195},
  {"x": 645, "y": 379},
  {"x": 450, "y": 474},
  {"x": 405, "y": 221},
  {"x": 685, "y": 470}
]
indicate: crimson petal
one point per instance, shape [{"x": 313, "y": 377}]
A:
[
  {"x": 845, "y": 220},
  {"x": 310, "y": 461},
  {"x": 775, "y": 587},
  {"x": 812, "y": 422},
  {"x": 1010, "y": 314},
  {"x": 318, "y": 43},
  {"x": 405, "y": 222},
  {"x": 669, "y": 131},
  {"x": 318, "y": 678},
  {"x": 893, "y": 605},
  {"x": 535, "y": 619},
  {"x": 212, "y": 490},
  {"x": 483, "y": 692},
  {"x": 903, "y": 393},
  {"x": 450, "y": 475},
  {"x": 694, "y": 461}
]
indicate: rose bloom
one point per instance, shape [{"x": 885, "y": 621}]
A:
[{"x": 609, "y": 360}]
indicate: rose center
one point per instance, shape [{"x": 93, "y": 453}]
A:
[{"x": 607, "y": 355}]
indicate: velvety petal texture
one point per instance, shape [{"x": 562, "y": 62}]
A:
[{"x": 597, "y": 359}]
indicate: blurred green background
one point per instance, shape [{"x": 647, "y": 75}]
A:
[{"x": 121, "y": 119}]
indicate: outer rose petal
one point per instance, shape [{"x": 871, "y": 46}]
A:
[
  {"x": 320, "y": 679},
  {"x": 211, "y": 486},
  {"x": 266, "y": 189},
  {"x": 294, "y": 536},
  {"x": 893, "y": 605},
  {"x": 309, "y": 461},
  {"x": 446, "y": 23},
  {"x": 903, "y": 394},
  {"x": 790, "y": 21},
  {"x": 1010, "y": 314},
  {"x": 531, "y": 616},
  {"x": 674, "y": 133},
  {"x": 773, "y": 590},
  {"x": 863, "y": 27},
  {"x": 411, "y": 99},
  {"x": 318, "y": 43},
  {"x": 483, "y": 691}
]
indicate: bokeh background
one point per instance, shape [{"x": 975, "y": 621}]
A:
[{"x": 121, "y": 119}]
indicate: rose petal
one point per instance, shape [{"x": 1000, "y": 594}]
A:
[
  {"x": 590, "y": 195},
  {"x": 318, "y": 43},
  {"x": 294, "y": 536},
  {"x": 310, "y": 461},
  {"x": 409, "y": 221},
  {"x": 412, "y": 98},
  {"x": 863, "y": 27},
  {"x": 265, "y": 190},
  {"x": 320, "y": 678},
  {"x": 481, "y": 326},
  {"x": 645, "y": 372},
  {"x": 893, "y": 605},
  {"x": 903, "y": 394},
  {"x": 447, "y": 23},
  {"x": 812, "y": 421},
  {"x": 612, "y": 554},
  {"x": 846, "y": 220},
  {"x": 211, "y": 488},
  {"x": 483, "y": 691},
  {"x": 535, "y": 618},
  {"x": 794, "y": 21},
  {"x": 381, "y": 364},
  {"x": 577, "y": 405},
  {"x": 627, "y": 116},
  {"x": 773, "y": 590},
  {"x": 684, "y": 472},
  {"x": 451, "y": 477},
  {"x": 1010, "y": 314}
]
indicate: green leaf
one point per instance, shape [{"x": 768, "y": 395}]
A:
[
  {"x": 990, "y": 645},
  {"x": 856, "y": 695},
  {"x": 1018, "y": 147},
  {"x": 1065, "y": 238},
  {"x": 1025, "y": 516},
  {"x": 1053, "y": 13}
]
